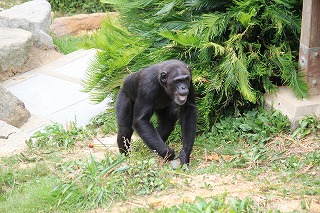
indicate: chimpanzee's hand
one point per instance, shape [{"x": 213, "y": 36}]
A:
[
  {"x": 168, "y": 154},
  {"x": 184, "y": 159}
]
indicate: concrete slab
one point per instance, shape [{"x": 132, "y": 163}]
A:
[
  {"x": 34, "y": 124},
  {"x": 286, "y": 102},
  {"x": 81, "y": 112},
  {"x": 77, "y": 68},
  {"x": 44, "y": 95},
  {"x": 49, "y": 67},
  {"x": 52, "y": 93}
]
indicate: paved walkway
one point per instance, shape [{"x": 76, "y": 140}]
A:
[{"x": 52, "y": 93}]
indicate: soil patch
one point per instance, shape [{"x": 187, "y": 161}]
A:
[{"x": 212, "y": 185}]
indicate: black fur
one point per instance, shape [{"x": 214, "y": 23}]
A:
[{"x": 165, "y": 89}]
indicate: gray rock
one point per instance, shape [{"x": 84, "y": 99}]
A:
[
  {"x": 12, "y": 110},
  {"x": 15, "y": 46},
  {"x": 12, "y": 139},
  {"x": 33, "y": 16}
]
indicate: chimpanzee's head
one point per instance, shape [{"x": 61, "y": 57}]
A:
[{"x": 176, "y": 79}]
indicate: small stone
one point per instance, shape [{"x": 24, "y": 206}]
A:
[
  {"x": 91, "y": 145},
  {"x": 174, "y": 163}
]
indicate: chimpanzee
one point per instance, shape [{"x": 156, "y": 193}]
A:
[{"x": 166, "y": 89}]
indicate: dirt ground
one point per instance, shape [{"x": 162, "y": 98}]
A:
[
  {"x": 211, "y": 185},
  {"x": 234, "y": 186},
  {"x": 188, "y": 188}
]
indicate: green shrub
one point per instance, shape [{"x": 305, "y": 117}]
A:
[
  {"x": 244, "y": 138},
  {"x": 238, "y": 50},
  {"x": 68, "y": 44},
  {"x": 307, "y": 125},
  {"x": 55, "y": 136},
  {"x": 10, "y": 3},
  {"x": 79, "y": 6},
  {"x": 104, "y": 122}
]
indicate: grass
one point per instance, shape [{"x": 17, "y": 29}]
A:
[
  {"x": 35, "y": 196},
  {"x": 59, "y": 173},
  {"x": 55, "y": 135},
  {"x": 217, "y": 204},
  {"x": 68, "y": 44},
  {"x": 6, "y": 4}
]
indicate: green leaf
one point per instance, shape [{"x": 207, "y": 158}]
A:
[
  {"x": 245, "y": 127},
  {"x": 166, "y": 8},
  {"x": 245, "y": 18},
  {"x": 187, "y": 40}
]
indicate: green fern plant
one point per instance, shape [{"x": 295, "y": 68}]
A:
[
  {"x": 117, "y": 48},
  {"x": 238, "y": 49}
]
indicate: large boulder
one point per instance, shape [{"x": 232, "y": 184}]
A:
[
  {"x": 33, "y": 16},
  {"x": 73, "y": 25},
  {"x": 12, "y": 110},
  {"x": 15, "y": 46}
]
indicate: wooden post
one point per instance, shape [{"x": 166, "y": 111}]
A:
[{"x": 309, "y": 55}]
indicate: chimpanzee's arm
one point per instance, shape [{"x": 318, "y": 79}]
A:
[
  {"x": 143, "y": 110},
  {"x": 188, "y": 119}
]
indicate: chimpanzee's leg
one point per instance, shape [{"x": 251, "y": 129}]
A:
[
  {"x": 167, "y": 120},
  {"x": 124, "y": 112}
]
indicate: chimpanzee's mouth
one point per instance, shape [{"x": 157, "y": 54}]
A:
[{"x": 181, "y": 99}]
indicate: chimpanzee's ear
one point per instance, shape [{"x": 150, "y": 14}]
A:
[
  {"x": 189, "y": 68},
  {"x": 163, "y": 76}
]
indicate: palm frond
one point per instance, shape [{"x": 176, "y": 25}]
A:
[
  {"x": 211, "y": 26},
  {"x": 285, "y": 3},
  {"x": 118, "y": 49},
  {"x": 281, "y": 21},
  {"x": 298, "y": 84},
  {"x": 207, "y": 5},
  {"x": 290, "y": 73},
  {"x": 166, "y": 8},
  {"x": 128, "y": 3},
  {"x": 175, "y": 25},
  {"x": 187, "y": 40},
  {"x": 236, "y": 75}
]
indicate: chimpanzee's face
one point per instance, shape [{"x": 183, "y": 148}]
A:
[{"x": 177, "y": 81}]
